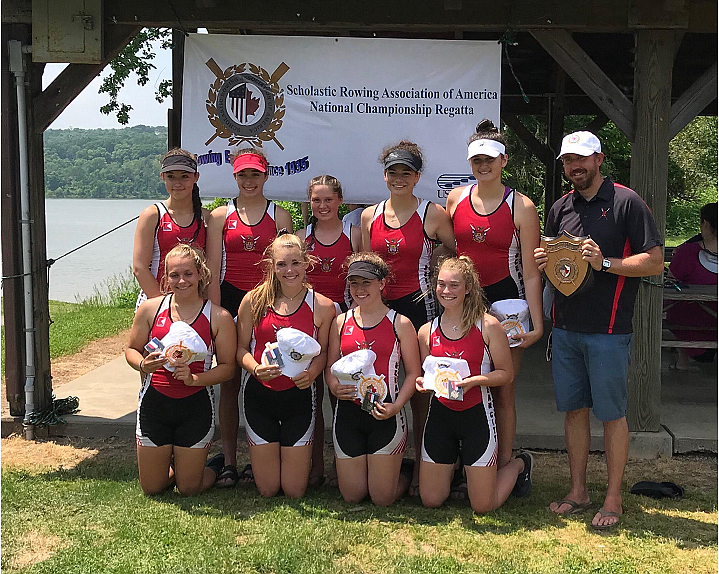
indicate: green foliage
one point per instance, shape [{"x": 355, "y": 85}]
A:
[
  {"x": 215, "y": 203},
  {"x": 295, "y": 209},
  {"x": 136, "y": 57},
  {"x": 120, "y": 291},
  {"x": 122, "y": 163}
]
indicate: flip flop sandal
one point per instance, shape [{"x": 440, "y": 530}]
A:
[
  {"x": 657, "y": 490},
  {"x": 318, "y": 480},
  {"x": 246, "y": 475},
  {"x": 216, "y": 463},
  {"x": 574, "y": 507},
  {"x": 604, "y": 514},
  {"x": 228, "y": 477}
]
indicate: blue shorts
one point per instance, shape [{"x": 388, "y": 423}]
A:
[{"x": 590, "y": 371}]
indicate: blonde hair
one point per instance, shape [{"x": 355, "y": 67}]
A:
[
  {"x": 234, "y": 155},
  {"x": 328, "y": 180},
  {"x": 186, "y": 251},
  {"x": 177, "y": 151},
  {"x": 265, "y": 294},
  {"x": 475, "y": 304}
]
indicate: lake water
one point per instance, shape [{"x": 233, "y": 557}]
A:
[{"x": 72, "y": 222}]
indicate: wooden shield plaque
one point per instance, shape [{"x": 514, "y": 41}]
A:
[{"x": 565, "y": 269}]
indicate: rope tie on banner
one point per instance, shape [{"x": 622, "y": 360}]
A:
[{"x": 507, "y": 39}]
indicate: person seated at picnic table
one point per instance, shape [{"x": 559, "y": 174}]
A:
[{"x": 695, "y": 263}]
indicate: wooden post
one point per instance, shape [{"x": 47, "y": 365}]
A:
[
  {"x": 174, "y": 116},
  {"x": 650, "y": 153},
  {"x": 555, "y": 132}
]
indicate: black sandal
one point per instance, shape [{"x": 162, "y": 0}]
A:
[
  {"x": 246, "y": 475},
  {"x": 228, "y": 477},
  {"x": 216, "y": 463}
]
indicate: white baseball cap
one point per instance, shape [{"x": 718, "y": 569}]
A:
[
  {"x": 433, "y": 366},
  {"x": 352, "y": 367},
  {"x": 491, "y": 148},
  {"x": 297, "y": 349},
  {"x": 513, "y": 314},
  {"x": 580, "y": 143}
]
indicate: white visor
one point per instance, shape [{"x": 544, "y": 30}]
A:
[
  {"x": 439, "y": 371},
  {"x": 485, "y": 147},
  {"x": 297, "y": 350},
  {"x": 513, "y": 314}
]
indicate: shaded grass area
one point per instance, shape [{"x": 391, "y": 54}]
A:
[{"x": 94, "y": 518}]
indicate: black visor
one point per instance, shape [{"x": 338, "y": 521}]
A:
[
  {"x": 405, "y": 158},
  {"x": 178, "y": 162},
  {"x": 365, "y": 269}
]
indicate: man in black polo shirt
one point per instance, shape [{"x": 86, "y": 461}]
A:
[{"x": 592, "y": 333}]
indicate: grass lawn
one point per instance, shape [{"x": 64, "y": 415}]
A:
[{"x": 89, "y": 515}]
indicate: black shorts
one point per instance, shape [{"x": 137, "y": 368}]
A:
[
  {"x": 507, "y": 288},
  {"x": 472, "y": 431},
  {"x": 356, "y": 432},
  {"x": 188, "y": 422},
  {"x": 286, "y": 417},
  {"x": 231, "y": 297},
  {"x": 417, "y": 307}
]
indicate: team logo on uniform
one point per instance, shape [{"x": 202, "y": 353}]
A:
[
  {"x": 232, "y": 224},
  {"x": 605, "y": 212},
  {"x": 248, "y": 243},
  {"x": 326, "y": 264},
  {"x": 245, "y": 103},
  {"x": 364, "y": 345},
  {"x": 349, "y": 329},
  {"x": 393, "y": 245},
  {"x": 479, "y": 234},
  {"x": 160, "y": 321},
  {"x": 167, "y": 226},
  {"x": 454, "y": 354},
  {"x": 435, "y": 341}
]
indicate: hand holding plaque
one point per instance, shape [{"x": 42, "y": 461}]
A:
[{"x": 566, "y": 269}]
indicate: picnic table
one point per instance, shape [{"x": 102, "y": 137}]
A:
[{"x": 700, "y": 294}]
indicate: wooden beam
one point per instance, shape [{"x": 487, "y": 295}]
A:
[
  {"x": 539, "y": 149},
  {"x": 555, "y": 132},
  {"x": 49, "y": 104},
  {"x": 596, "y": 124},
  {"x": 649, "y": 169},
  {"x": 697, "y": 97},
  {"x": 588, "y": 76},
  {"x": 174, "y": 126}
]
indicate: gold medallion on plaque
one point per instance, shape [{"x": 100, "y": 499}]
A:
[{"x": 566, "y": 269}]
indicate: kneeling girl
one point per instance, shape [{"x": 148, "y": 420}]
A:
[
  {"x": 369, "y": 445},
  {"x": 464, "y": 330}
]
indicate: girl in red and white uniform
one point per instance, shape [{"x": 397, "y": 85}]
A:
[
  {"x": 464, "y": 330},
  {"x": 369, "y": 446},
  {"x": 175, "y": 413},
  {"x": 330, "y": 241},
  {"x": 403, "y": 230},
  {"x": 498, "y": 229},
  {"x": 237, "y": 235},
  {"x": 161, "y": 226},
  {"x": 280, "y": 411}
]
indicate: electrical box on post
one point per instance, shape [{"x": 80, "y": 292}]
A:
[{"x": 67, "y": 31}]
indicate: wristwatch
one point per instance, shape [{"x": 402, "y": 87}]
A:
[{"x": 606, "y": 264}]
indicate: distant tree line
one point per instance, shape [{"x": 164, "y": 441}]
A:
[{"x": 113, "y": 163}]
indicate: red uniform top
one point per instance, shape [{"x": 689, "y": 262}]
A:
[
  {"x": 243, "y": 246},
  {"x": 406, "y": 249},
  {"x": 327, "y": 276},
  {"x": 266, "y": 332},
  {"x": 491, "y": 240},
  {"x": 383, "y": 340},
  {"x": 467, "y": 348},
  {"x": 162, "y": 379},
  {"x": 168, "y": 234}
]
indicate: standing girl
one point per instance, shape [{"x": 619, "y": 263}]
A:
[
  {"x": 403, "y": 230},
  {"x": 498, "y": 229},
  {"x": 176, "y": 410},
  {"x": 466, "y": 331},
  {"x": 330, "y": 241},
  {"x": 279, "y": 411},
  {"x": 161, "y": 226},
  {"x": 369, "y": 445},
  {"x": 238, "y": 234}
]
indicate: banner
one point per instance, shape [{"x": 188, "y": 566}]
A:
[{"x": 319, "y": 105}]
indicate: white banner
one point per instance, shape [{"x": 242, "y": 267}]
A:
[{"x": 331, "y": 105}]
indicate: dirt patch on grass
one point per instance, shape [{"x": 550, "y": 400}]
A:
[{"x": 37, "y": 547}]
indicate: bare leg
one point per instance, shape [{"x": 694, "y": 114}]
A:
[
  {"x": 295, "y": 469},
  {"x": 332, "y": 477},
  {"x": 191, "y": 474},
  {"x": 318, "y": 446},
  {"x": 153, "y": 463},
  {"x": 616, "y": 447},
  {"x": 265, "y": 459},
  {"x": 352, "y": 478},
  {"x": 420, "y": 407},
  {"x": 384, "y": 481},
  {"x": 506, "y": 412},
  {"x": 230, "y": 418},
  {"x": 576, "y": 433},
  {"x": 434, "y": 483},
  {"x": 488, "y": 487}
]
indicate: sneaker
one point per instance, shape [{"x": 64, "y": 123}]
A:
[{"x": 523, "y": 486}]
